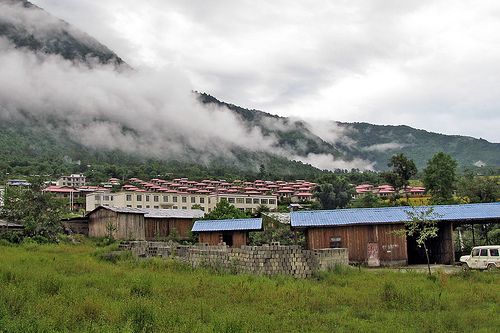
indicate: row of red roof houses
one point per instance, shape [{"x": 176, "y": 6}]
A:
[
  {"x": 387, "y": 190},
  {"x": 300, "y": 188}
]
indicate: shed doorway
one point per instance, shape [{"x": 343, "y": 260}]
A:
[
  {"x": 227, "y": 238},
  {"x": 441, "y": 250}
]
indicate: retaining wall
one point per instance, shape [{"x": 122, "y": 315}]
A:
[{"x": 260, "y": 260}]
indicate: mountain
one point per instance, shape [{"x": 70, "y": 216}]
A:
[
  {"x": 22, "y": 28},
  {"x": 45, "y": 145},
  {"x": 374, "y": 143}
]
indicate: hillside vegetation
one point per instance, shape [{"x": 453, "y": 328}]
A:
[{"x": 60, "y": 288}]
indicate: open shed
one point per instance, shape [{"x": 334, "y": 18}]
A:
[
  {"x": 6, "y": 226},
  {"x": 141, "y": 224},
  {"x": 368, "y": 233},
  {"x": 232, "y": 232}
]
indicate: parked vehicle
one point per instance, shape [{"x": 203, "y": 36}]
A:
[{"x": 482, "y": 257}]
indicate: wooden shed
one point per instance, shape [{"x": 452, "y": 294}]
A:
[
  {"x": 232, "y": 232},
  {"x": 141, "y": 224},
  {"x": 6, "y": 226},
  {"x": 369, "y": 233}
]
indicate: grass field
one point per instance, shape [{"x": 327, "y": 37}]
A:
[{"x": 60, "y": 288}]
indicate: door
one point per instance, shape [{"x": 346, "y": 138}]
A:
[
  {"x": 474, "y": 258},
  {"x": 373, "y": 255},
  {"x": 483, "y": 259}
]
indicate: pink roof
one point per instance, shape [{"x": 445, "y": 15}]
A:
[
  {"x": 284, "y": 191},
  {"x": 203, "y": 191},
  {"x": 232, "y": 191},
  {"x": 56, "y": 189},
  {"x": 252, "y": 192},
  {"x": 304, "y": 194}
]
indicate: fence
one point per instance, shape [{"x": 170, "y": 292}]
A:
[{"x": 260, "y": 260}]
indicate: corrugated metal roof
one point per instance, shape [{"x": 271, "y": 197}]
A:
[
  {"x": 156, "y": 213},
  {"x": 174, "y": 213},
  {"x": 392, "y": 214},
  {"x": 227, "y": 225}
]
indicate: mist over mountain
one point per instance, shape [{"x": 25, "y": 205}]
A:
[{"x": 64, "y": 95}]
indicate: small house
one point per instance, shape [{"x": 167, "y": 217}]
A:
[
  {"x": 142, "y": 224},
  {"x": 232, "y": 232}
]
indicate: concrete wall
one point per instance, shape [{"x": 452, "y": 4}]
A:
[{"x": 260, "y": 260}]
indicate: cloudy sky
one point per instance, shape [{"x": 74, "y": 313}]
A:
[{"x": 428, "y": 64}]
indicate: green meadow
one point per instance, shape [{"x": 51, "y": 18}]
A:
[{"x": 80, "y": 288}]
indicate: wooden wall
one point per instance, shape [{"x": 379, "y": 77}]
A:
[
  {"x": 128, "y": 226},
  {"x": 158, "y": 228},
  {"x": 210, "y": 238},
  {"x": 239, "y": 238},
  {"x": 356, "y": 238}
]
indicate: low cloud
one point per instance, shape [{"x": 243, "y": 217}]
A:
[
  {"x": 329, "y": 162},
  {"x": 380, "y": 147}
]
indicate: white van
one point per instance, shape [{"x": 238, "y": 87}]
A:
[{"x": 482, "y": 257}]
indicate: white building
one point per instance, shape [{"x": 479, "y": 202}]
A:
[
  {"x": 74, "y": 180},
  {"x": 158, "y": 200}
]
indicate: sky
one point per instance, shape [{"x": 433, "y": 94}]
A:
[{"x": 428, "y": 64}]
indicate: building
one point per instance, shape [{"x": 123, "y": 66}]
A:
[
  {"x": 74, "y": 197},
  {"x": 6, "y": 226},
  {"x": 369, "y": 233},
  {"x": 385, "y": 190},
  {"x": 74, "y": 180},
  {"x": 141, "y": 224},
  {"x": 231, "y": 232},
  {"x": 179, "y": 200}
]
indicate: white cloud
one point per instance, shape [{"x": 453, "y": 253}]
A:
[{"x": 428, "y": 64}]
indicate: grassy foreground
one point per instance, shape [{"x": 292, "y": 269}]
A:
[{"x": 45, "y": 288}]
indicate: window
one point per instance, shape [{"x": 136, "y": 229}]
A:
[
  {"x": 484, "y": 253},
  {"x": 475, "y": 252},
  {"x": 147, "y": 197},
  {"x": 335, "y": 242},
  {"x": 129, "y": 206},
  {"x": 242, "y": 209},
  {"x": 174, "y": 199},
  {"x": 147, "y": 206},
  {"x": 139, "y": 197},
  {"x": 156, "y": 207},
  {"x": 256, "y": 201},
  {"x": 184, "y": 199},
  {"x": 98, "y": 197},
  {"x": 248, "y": 201},
  {"x": 139, "y": 206},
  {"x": 193, "y": 199},
  {"x": 494, "y": 252},
  {"x": 156, "y": 198},
  {"x": 263, "y": 201},
  {"x": 239, "y": 200},
  {"x": 175, "y": 207},
  {"x": 165, "y": 198},
  {"x": 106, "y": 198},
  {"x": 202, "y": 200},
  {"x": 231, "y": 200},
  {"x": 272, "y": 201},
  {"x": 184, "y": 207},
  {"x": 223, "y": 199}
]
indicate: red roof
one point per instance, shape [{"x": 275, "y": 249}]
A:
[
  {"x": 57, "y": 189},
  {"x": 304, "y": 194}
]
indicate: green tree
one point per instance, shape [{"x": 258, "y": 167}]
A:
[
  {"x": 423, "y": 226},
  {"x": 336, "y": 193},
  {"x": 478, "y": 188},
  {"x": 39, "y": 212},
  {"x": 440, "y": 177},
  {"x": 368, "y": 200},
  {"x": 403, "y": 169},
  {"x": 224, "y": 210}
]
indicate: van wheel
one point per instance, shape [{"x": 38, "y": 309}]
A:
[
  {"x": 491, "y": 267},
  {"x": 465, "y": 267}
]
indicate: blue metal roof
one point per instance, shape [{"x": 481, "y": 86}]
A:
[
  {"x": 227, "y": 225},
  {"x": 320, "y": 218}
]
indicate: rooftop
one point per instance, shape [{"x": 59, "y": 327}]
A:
[
  {"x": 227, "y": 225},
  {"x": 338, "y": 217}
]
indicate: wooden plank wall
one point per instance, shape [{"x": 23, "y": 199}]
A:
[
  {"x": 356, "y": 239},
  {"x": 128, "y": 226},
  {"x": 210, "y": 238},
  {"x": 160, "y": 228},
  {"x": 239, "y": 238}
]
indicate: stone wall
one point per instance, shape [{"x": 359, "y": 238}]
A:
[{"x": 260, "y": 260}]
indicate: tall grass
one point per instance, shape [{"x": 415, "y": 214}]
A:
[{"x": 60, "y": 288}]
